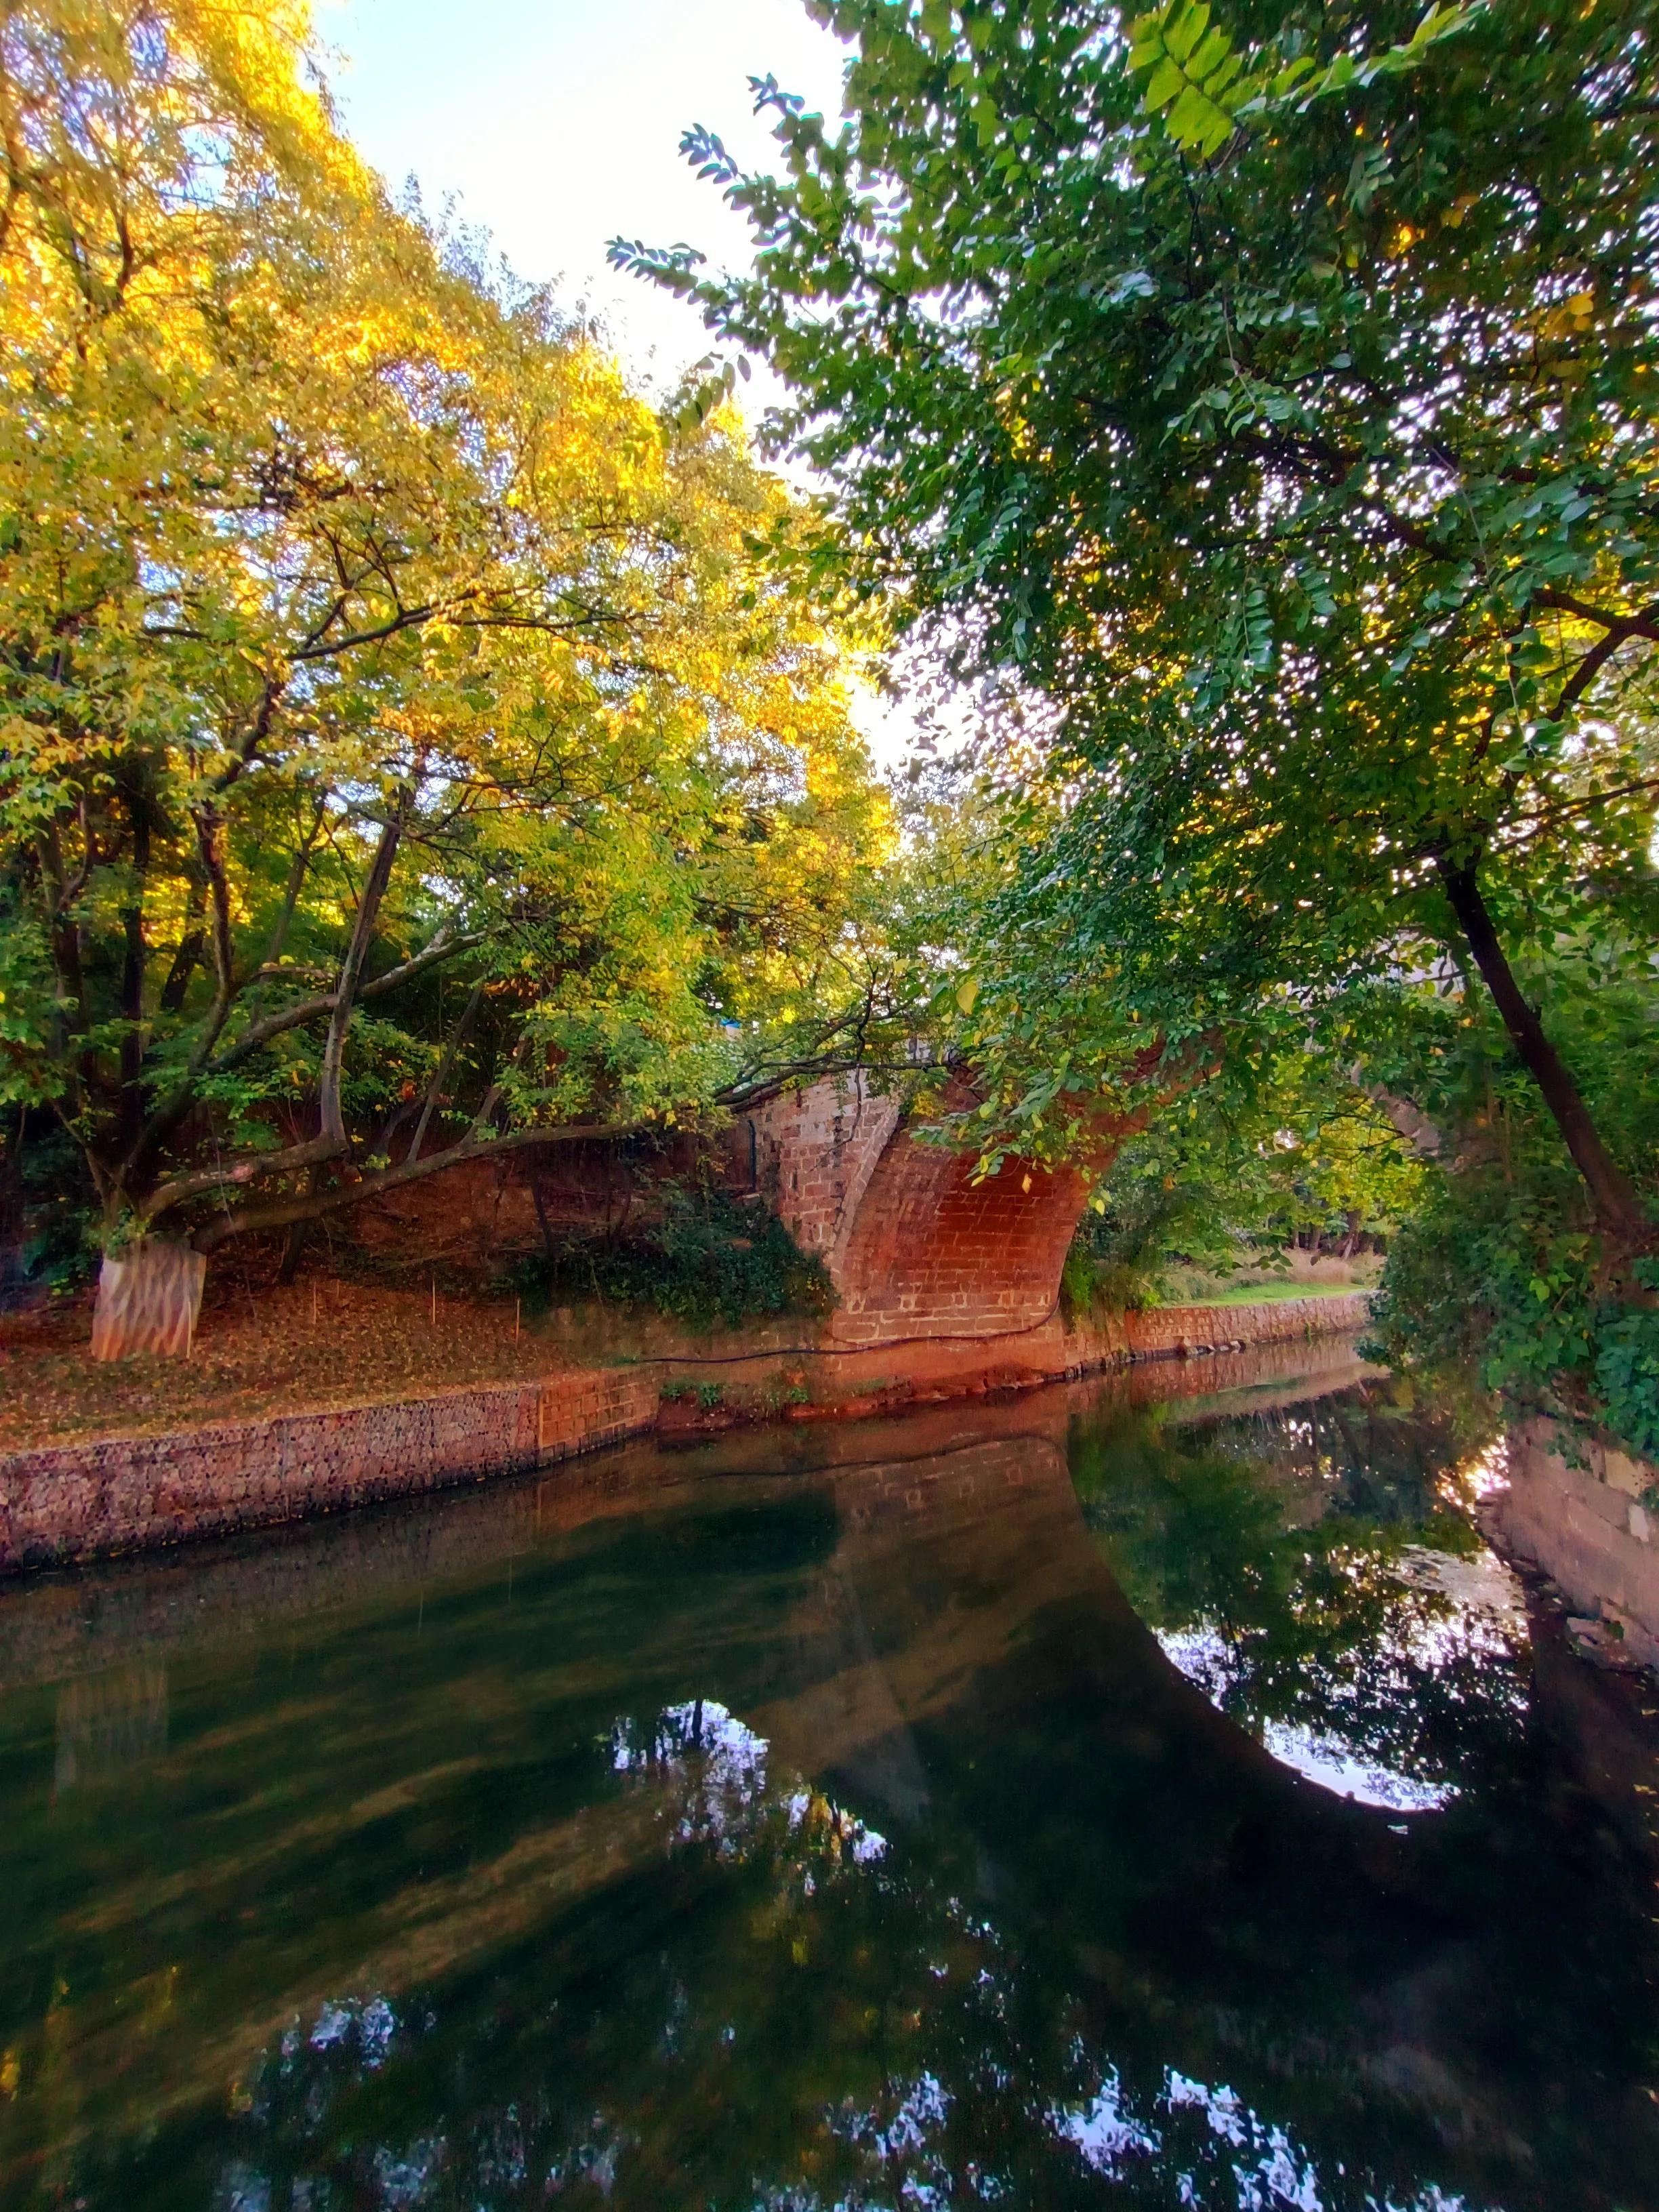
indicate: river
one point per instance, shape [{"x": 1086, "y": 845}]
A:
[{"x": 1145, "y": 1792}]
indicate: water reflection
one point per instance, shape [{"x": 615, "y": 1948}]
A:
[
  {"x": 109, "y": 1722},
  {"x": 1314, "y": 1570},
  {"x": 819, "y": 1821}
]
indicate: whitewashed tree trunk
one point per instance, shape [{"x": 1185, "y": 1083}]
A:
[{"x": 147, "y": 1300}]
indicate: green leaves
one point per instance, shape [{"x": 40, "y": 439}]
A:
[
  {"x": 936, "y": 24},
  {"x": 1499, "y": 1269},
  {"x": 1191, "y": 70},
  {"x": 1268, "y": 419},
  {"x": 706, "y": 387},
  {"x": 1200, "y": 84},
  {"x": 469, "y": 581}
]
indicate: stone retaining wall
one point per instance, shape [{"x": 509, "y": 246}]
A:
[
  {"x": 1165, "y": 1331},
  {"x": 70, "y": 1502},
  {"x": 1578, "y": 1508},
  {"x": 62, "y": 1503},
  {"x": 833, "y": 1381},
  {"x": 148, "y": 1605}
]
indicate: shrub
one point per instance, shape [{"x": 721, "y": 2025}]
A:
[
  {"x": 704, "y": 1259},
  {"x": 1499, "y": 1267},
  {"x": 1500, "y": 1271}
]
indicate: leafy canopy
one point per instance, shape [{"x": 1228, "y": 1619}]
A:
[
  {"x": 404, "y": 733},
  {"x": 1305, "y": 469}
]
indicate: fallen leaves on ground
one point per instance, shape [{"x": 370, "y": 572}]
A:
[{"x": 317, "y": 1343}]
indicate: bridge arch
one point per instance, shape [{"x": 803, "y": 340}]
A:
[{"x": 915, "y": 1246}]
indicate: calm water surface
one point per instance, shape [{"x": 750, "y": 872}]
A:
[{"x": 1124, "y": 1797}]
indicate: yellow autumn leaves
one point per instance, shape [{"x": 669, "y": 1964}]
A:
[{"x": 313, "y": 522}]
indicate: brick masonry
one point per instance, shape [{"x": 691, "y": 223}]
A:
[
  {"x": 947, "y": 1268},
  {"x": 815, "y": 1152},
  {"x": 932, "y": 1252},
  {"x": 915, "y": 1244}
]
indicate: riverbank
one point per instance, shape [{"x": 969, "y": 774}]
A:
[
  {"x": 262, "y": 1348},
  {"x": 142, "y": 1488}
]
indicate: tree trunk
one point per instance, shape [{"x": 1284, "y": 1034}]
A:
[
  {"x": 351, "y": 969},
  {"x": 147, "y": 1300},
  {"x": 299, "y": 1232},
  {"x": 293, "y": 1246},
  {"x": 1618, "y": 1208}
]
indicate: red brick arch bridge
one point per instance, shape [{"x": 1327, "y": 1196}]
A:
[
  {"x": 917, "y": 1247},
  {"x": 963, "y": 1274}
]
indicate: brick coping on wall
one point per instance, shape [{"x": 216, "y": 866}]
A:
[{"x": 62, "y": 1503}]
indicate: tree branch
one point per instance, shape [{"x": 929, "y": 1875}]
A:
[
  {"x": 345, "y": 993},
  {"x": 252, "y": 1167},
  {"x": 1587, "y": 671},
  {"x": 295, "y": 884},
  {"x": 1644, "y": 622},
  {"x": 310, "y": 1010},
  {"x": 160, "y": 1125},
  {"x": 440, "y": 1073}
]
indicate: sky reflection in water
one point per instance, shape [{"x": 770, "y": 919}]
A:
[{"x": 1084, "y": 1802}]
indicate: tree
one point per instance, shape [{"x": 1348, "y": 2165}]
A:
[
  {"x": 411, "y": 745},
  {"x": 1278, "y": 399}
]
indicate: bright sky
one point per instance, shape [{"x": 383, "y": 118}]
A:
[{"x": 557, "y": 124}]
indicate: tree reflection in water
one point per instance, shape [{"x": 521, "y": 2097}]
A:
[
  {"x": 1315, "y": 1571},
  {"x": 815, "y": 1822}
]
